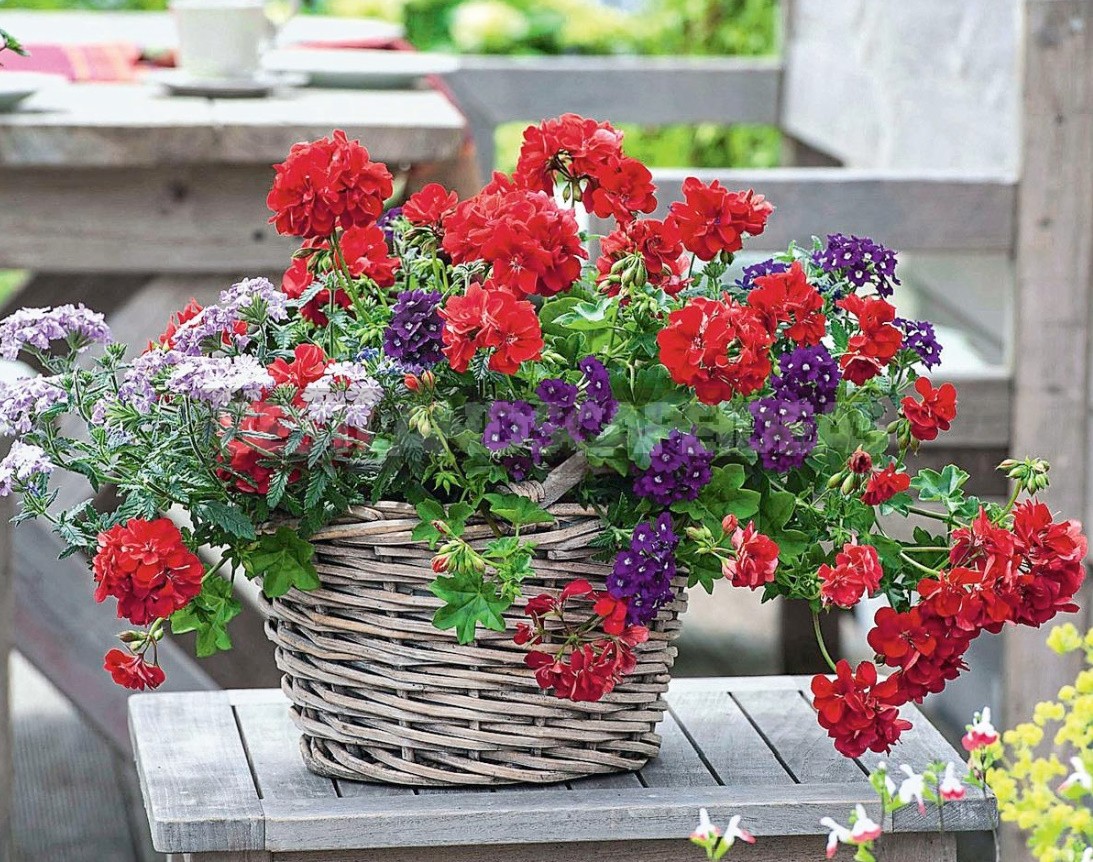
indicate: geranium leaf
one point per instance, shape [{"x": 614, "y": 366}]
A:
[
  {"x": 518, "y": 510},
  {"x": 283, "y": 560},
  {"x": 468, "y": 601}
]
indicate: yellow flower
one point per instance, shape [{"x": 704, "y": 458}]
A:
[{"x": 1064, "y": 638}]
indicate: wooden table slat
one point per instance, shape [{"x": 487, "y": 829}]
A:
[
  {"x": 734, "y": 750},
  {"x": 679, "y": 764},
  {"x": 789, "y": 725},
  {"x": 271, "y": 744},
  {"x": 197, "y": 786}
]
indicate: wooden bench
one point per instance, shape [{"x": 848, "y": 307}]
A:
[{"x": 223, "y": 780}]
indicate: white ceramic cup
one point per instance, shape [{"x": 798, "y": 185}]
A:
[{"x": 221, "y": 38}]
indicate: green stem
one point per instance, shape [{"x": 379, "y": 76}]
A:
[
  {"x": 820, "y": 642},
  {"x": 924, "y": 569},
  {"x": 937, "y": 516}
]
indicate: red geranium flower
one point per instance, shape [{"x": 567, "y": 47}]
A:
[
  {"x": 325, "y": 184},
  {"x": 884, "y": 485},
  {"x": 167, "y": 339},
  {"x": 132, "y": 671},
  {"x": 712, "y": 219},
  {"x": 590, "y": 671},
  {"x": 489, "y": 318},
  {"x": 621, "y": 191},
  {"x": 787, "y": 297},
  {"x": 857, "y": 573},
  {"x": 756, "y": 558},
  {"x": 658, "y": 246},
  {"x": 859, "y": 713},
  {"x": 147, "y": 567},
  {"x": 308, "y": 364},
  {"x": 532, "y": 244},
  {"x": 719, "y": 348},
  {"x": 934, "y": 413},
  {"x": 262, "y": 433},
  {"x": 902, "y": 638},
  {"x": 1052, "y": 555},
  {"x": 430, "y": 206},
  {"x": 870, "y": 350}
]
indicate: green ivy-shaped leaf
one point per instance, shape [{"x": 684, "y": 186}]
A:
[
  {"x": 726, "y": 495},
  {"x": 208, "y": 614},
  {"x": 283, "y": 560},
  {"x": 518, "y": 510},
  {"x": 944, "y": 487},
  {"x": 468, "y": 601}
]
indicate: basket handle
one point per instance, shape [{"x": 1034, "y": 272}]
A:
[{"x": 557, "y": 484}]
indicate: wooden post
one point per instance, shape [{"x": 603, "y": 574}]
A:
[{"x": 1054, "y": 301}]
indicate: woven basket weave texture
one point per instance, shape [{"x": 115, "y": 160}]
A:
[{"x": 381, "y": 695}]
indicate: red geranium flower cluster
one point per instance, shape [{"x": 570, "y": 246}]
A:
[
  {"x": 713, "y": 220},
  {"x": 934, "y": 413},
  {"x": 147, "y": 567},
  {"x": 430, "y": 206},
  {"x": 857, "y": 573},
  {"x": 870, "y": 350},
  {"x": 1024, "y": 575},
  {"x": 592, "y": 668},
  {"x": 326, "y": 184},
  {"x": 262, "y": 433},
  {"x": 588, "y": 158},
  {"x": 720, "y": 348},
  {"x": 884, "y": 484},
  {"x": 655, "y": 244},
  {"x": 489, "y": 318},
  {"x": 756, "y": 557},
  {"x": 532, "y": 245},
  {"x": 365, "y": 253},
  {"x": 132, "y": 671},
  {"x": 787, "y": 297},
  {"x": 859, "y": 713},
  {"x": 309, "y": 361}
]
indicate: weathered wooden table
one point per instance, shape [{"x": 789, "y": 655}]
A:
[{"x": 223, "y": 780}]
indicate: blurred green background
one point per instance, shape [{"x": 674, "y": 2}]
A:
[{"x": 679, "y": 27}]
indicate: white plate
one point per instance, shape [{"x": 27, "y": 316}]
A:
[
  {"x": 362, "y": 69},
  {"x": 178, "y": 83},
  {"x": 16, "y": 86}
]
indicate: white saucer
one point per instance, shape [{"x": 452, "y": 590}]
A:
[
  {"x": 179, "y": 83},
  {"x": 16, "y": 86}
]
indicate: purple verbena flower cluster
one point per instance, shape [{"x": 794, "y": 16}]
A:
[
  {"x": 757, "y": 270},
  {"x": 414, "y": 336},
  {"x": 346, "y": 394},
  {"x": 920, "y": 336},
  {"x": 250, "y": 296},
  {"x": 23, "y": 401},
  {"x": 784, "y": 432},
  {"x": 860, "y": 260},
  {"x": 808, "y": 374},
  {"x": 582, "y": 412},
  {"x": 643, "y": 572},
  {"x": 22, "y": 463},
  {"x": 679, "y": 470},
  {"x": 217, "y": 380},
  {"x": 137, "y": 387},
  {"x": 37, "y": 327},
  {"x": 386, "y": 223}
]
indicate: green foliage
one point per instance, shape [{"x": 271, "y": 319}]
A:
[
  {"x": 468, "y": 599},
  {"x": 209, "y": 615},
  {"x": 283, "y": 561}
]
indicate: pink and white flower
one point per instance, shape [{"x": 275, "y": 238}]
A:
[
  {"x": 1080, "y": 776},
  {"x": 864, "y": 829},
  {"x": 951, "y": 788},
  {"x": 734, "y": 831},
  {"x": 980, "y": 732},
  {"x": 705, "y": 828},
  {"x": 913, "y": 787}
]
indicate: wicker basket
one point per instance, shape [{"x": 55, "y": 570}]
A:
[{"x": 381, "y": 695}]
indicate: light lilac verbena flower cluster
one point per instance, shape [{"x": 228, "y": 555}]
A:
[
  {"x": 346, "y": 394},
  {"x": 22, "y": 464},
  {"x": 137, "y": 388},
  {"x": 217, "y": 380},
  {"x": 37, "y": 327},
  {"x": 23, "y": 401},
  {"x": 215, "y": 320}
]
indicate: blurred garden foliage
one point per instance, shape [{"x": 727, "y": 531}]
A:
[{"x": 544, "y": 27}]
